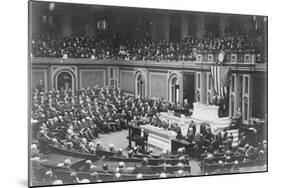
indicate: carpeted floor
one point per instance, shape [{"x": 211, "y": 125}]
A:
[{"x": 119, "y": 139}]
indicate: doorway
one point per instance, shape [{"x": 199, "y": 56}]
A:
[
  {"x": 189, "y": 87},
  {"x": 64, "y": 81},
  {"x": 140, "y": 87},
  {"x": 175, "y": 90}
]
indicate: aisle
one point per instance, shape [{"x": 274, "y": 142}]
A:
[{"x": 119, "y": 139}]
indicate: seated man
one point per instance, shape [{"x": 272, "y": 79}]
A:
[
  {"x": 120, "y": 153},
  {"x": 122, "y": 168},
  {"x": 111, "y": 148},
  {"x": 190, "y": 135},
  {"x": 145, "y": 119},
  {"x": 164, "y": 153},
  {"x": 99, "y": 146},
  {"x": 34, "y": 151},
  {"x": 55, "y": 143},
  {"x": 130, "y": 153},
  {"x": 105, "y": 168},
  {"x": 143, "y": 169},
  {"x": 155, "y": 120},
  {"x": 88, "y": 167},
  {"x": 82, "y": 148},
  {"x": 66, "y": 165}
]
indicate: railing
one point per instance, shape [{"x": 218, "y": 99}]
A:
[
  {"x": 202, "y": 65},
  {"x": 235, "y": 56}
]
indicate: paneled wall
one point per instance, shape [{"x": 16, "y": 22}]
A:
[
  {"x": 92, "y": 77},
  {"x": 259, "y": 96},
  {"x": 193, "y": 80},
  {"x": 127, "y": 81},
  {"x": 36, "y": 76},
  {"x": 158, "y": 85}
]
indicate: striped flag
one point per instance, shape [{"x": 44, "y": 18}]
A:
[{"x": 220, "y": 79}]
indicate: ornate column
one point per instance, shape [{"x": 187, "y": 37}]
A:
[
  {"x": 166, "y": 26},
  {"x": 153, "y": 26},
  {"x": 203, "y": 87},
  {"x": 66, "y": 20},
  {"x": 184, "y": 26},
  {"x": 223, "y": 23},
  {"x": 181, "y": 88},
  {"x": 200, "y": 25},
  {"x": 198, "y": 86},
  {"x": 209, "y": 86},
  {"x": 247, "y": 98}
]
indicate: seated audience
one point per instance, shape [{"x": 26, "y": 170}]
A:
[{"x": 112, "y": 47}]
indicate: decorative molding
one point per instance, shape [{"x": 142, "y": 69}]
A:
[
  {"x": 171, "y": 76},
  {"x": 72, "y": 70},
  {"x": 159, "y": 74},
  {"x": 143, "y": 72},
  {"x": 248, "y": 97}
]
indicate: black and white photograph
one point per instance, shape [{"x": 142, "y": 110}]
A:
[{"x": 122, "y": 93}]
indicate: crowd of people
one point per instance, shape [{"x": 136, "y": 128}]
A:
[
  {"x": 113, "y": 47},
  {"x": 218, "y": 144},
  {"x": 89, "y": 172},
  {"x": 73, "y": 120},
  {"x": 231, "y": 40}
]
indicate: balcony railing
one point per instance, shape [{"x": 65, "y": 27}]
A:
[
  {"x": 246, "y": 57},
  {"x": 198, "y": 64}
]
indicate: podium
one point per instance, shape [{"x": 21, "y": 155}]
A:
[
  {"x": 210, "y": 114},
  {"x": 159, "y": 137},
  {"x": 205, "y": 112}
]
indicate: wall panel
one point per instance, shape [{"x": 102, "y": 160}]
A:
[
  {"x": 158, "y": 85},
  {"x": 90, "y": 78},
  {"x": 36, "y": 76},
  {"x": 127, "y": 81}
]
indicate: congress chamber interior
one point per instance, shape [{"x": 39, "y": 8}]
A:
[{"x": 122, "y": 93}]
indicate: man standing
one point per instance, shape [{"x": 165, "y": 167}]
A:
[{"x": 186, "y": 106}]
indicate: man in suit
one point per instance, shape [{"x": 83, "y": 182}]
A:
[
  {"x": 186, "y": 106},
  {"x": 144, "y": 168},
  {"x": 122, "y": 168}
]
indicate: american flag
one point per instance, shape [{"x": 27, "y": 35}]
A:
[{"x": 220, "y": 79}]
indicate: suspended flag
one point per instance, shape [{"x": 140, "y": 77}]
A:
[{"x": 220, "y": 79}]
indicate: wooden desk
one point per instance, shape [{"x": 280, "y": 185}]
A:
[{"x": 159, "y": 137}]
